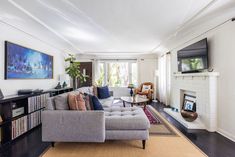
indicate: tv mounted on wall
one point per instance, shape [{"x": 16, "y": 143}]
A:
[
  {"x": 26, "y": 63},
  {"x": 193, "y": 58}
]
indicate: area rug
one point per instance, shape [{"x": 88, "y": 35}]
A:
[
  {"x": 157, "y": 125},
  {"x": 156, "y": 146}
]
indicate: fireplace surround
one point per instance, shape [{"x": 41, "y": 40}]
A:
[{"x": 204, "y": 87}]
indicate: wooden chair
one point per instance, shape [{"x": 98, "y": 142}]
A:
[{"x": 147, "y": 93}]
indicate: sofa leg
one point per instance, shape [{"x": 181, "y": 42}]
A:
[
  {"x": 53, "y": 144},
  {"x": 143, "y": 143}
]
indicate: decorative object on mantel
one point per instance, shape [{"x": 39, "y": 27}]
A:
[
  {"x": 1, "y": 95},
  {"x": 188, "y": 111},
  {"x": 73, "y": 70}
]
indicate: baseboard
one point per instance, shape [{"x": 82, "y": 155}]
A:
[{"x": 226, "y": 134}]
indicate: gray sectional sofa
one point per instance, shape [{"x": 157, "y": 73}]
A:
[{"x": 114, "y": 123}]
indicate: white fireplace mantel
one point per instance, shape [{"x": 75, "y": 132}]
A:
[
  {"x": 203, "y": 74},
  {"x": 204, "y": 85}
]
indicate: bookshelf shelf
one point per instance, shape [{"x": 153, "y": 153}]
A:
[{"x": 22, "y": 113}]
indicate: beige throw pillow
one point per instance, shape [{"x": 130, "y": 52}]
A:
[{"x": 146, "y": 88}]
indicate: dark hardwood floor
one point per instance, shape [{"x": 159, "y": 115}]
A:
[
  {"x": 27, "y": 145},
  {"x": 213, "y": 144}
]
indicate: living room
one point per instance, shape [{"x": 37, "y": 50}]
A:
[{"x": 117, "y": 78}]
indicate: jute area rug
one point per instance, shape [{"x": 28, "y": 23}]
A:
[{"x": 157, "y": 146}]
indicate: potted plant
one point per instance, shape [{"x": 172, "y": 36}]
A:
[{"x": 73, "y": 70}]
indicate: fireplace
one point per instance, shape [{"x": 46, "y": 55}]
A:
[{"x": 202, "y": 86}]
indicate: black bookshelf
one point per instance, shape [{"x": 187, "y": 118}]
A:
[{"x": 22, "y": 113}]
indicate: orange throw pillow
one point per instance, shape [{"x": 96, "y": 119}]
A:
[
  {"x": 81, "y": 103},
  {"x": 72, "y": 99}
]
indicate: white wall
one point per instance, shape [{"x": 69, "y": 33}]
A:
[
  {"x": 222, "y": 59},
  {"x": 146, "y": 69},
  {"x": 9, "y": 87}
]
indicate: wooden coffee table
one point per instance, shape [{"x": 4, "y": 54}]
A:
[{"x": 137, "y": 101}]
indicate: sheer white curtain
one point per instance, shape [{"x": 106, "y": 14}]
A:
[{"x": 164, "y": 78}]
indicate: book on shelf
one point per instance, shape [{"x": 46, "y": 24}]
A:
[
  {"x": 19, "y": 126},
  {"x": 37, "y": 102},
  {"x": 34, "y": 119}
]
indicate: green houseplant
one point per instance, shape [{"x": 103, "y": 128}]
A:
[{"x": 73, "y": 70}]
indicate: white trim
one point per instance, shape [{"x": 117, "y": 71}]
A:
[
  {"x": 226, "y": 134},
  {"x": 202, "y": 74}
]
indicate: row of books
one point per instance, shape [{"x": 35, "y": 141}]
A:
[
  {"x": 34, "y": 119},
  {"x": 25, "y": 123},
  {"x": 37, "y": 102},
  {"x": 19, "y": 126}
]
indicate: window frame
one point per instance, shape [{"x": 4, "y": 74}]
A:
[{"x": 130, "y": 62}]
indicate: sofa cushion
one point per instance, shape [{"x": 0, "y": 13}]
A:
[
  {"x": 81, "y": 102},
  {"x": 88, "y": 90},
  {"x": 103, "y": 92},
  {"x": 96, "y": 103},
  {"x": 107, "y": 102},
  {"x": 50, "y": 104},
  {"x": 125, "y": 118},
  {"x": 61, "y": 102}
]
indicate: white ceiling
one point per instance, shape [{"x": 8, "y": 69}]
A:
[{"x": 101, "y": 26}]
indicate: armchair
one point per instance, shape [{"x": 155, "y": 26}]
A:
[{"x": 148, "y": 92}]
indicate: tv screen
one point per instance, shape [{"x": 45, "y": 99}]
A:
[
  {"x": 193, "y": 58},
  {"x": 26, "y": 63}
]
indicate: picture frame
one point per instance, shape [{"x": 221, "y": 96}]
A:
[
  {"x": 189, "y": 103},
  {"x": 25, "y": 63}
]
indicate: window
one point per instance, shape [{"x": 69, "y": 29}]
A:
[
  {"x": 117, "y": 74},
  {"x": 134, "y": 74},
  {"x": 101, "y": 79}
]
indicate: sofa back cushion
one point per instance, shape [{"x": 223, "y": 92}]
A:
[
  {"x": 88, "y": 90},
  {"x": 103, "y": 92},
  {"x": 61, "y": 102},
  {"x": 50, "y": 103},
  {"x": 96, "y": 103}
]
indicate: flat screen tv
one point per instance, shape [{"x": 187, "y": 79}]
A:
[
  {"x": 193, "y": 58},
  {"x": 26, "y": 63}
]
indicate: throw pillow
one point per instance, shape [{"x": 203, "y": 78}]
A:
[
  {"x": 81, "y": 102},
  {"x": 146, "y": 88},
  {"x": 103, "y": 92},
  {"x": 88, "y": 89},
  {"x": 88, "y": 101},
  {"x": 61, "y": 102},
  {"x": 73, "y": 104},
  {"x": 95, "y": 92},
  {"x": 96, "y": 103}
]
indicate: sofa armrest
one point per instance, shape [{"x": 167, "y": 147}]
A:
[{"x": 73, "y": 126}]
